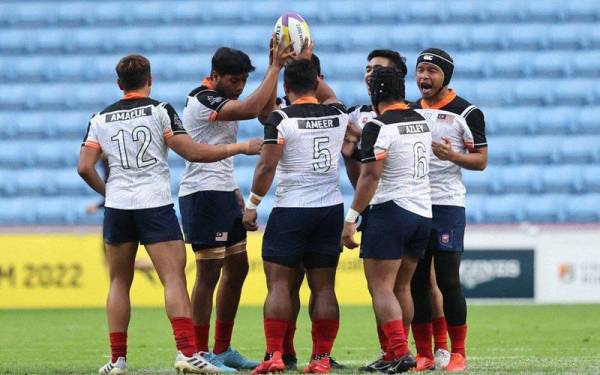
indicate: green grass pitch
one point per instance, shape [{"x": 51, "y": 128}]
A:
[{"x": 502, "y": 339}]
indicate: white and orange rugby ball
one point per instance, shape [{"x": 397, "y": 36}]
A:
[{"x": 292, "y": 28}]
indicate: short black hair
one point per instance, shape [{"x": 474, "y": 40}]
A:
[
  {"x": 133, "y": 72},
  {"x": 300, "y": 76},
  {"x": 231, "y": 61},
  {"x": 398, "y": 60},
  {"x": 316, "y": 62},
  {"x": 387, "y": 84}
]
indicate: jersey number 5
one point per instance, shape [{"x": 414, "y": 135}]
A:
[
  {"x": 321, "y": 154},
  {"x": 421, "y": 164},
  {"x": 140, "y": 133}
]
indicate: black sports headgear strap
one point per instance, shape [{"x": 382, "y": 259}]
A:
[
  {"x": 386, "y": 84},
  {"x": 439, "y": 58}
]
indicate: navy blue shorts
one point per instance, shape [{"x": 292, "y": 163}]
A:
[
  {"x": 393, "y": 232},
  {"x": 147, "y": 226},
  {"x": 211, "y": 219},
  {"x": 448, "y": 228},
  {"x": 304, "y": 236}
]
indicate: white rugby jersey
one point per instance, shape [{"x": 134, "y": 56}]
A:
[
  {"x": 464, "y": 125},
  {"x": 402, "y": 138},
  {"x": 312, "y": 134},
  {"x": 132, "y": 134},
  {"x": 361, "y": 114},
  {"x": 200, "y": 120}
]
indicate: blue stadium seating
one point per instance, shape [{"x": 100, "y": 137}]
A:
[{"x": 530, "y": 66}]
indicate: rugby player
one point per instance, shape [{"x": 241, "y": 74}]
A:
[
  {"x": 210, "y": 201},
  {"x": 361, "y": 114},
  {"x": 302, "y": 147},
  {"x": 135, "y": 134},
  {"x": 458, "y": 142},
  {"x": 395, "y": 148},
  {"x": 325, "y": 95}
]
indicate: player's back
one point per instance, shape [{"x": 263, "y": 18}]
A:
[
  {"x": 403, "y": 139},
  {"x": 312, "y": 135},
  {"x": 132, "y": 134}
]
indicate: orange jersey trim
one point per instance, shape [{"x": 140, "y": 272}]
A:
[
  {"x": 93, "y": 144},
  {"x": 391, "y": 107},
  {"x": 306, "y": 100},
  {"x": 168, "y": 134},
  {"x": 381, "y": 155},
  {"x": 208, "y": 83},
  {"x": 280, "y": 141},
  {"x": 134, "y": 95},
  {"x": 213, "y": 116},
  {"x": 450, "y": 97}
]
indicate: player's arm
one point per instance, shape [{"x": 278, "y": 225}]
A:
[
  {"x": 477, "y": 156},
  {"x": 185, "y": 147},
  {"x": 265, "y": 170},
  {"x": 86, "y": 167},
  {"x": 370, "y": 172},
  {"x": 250, "y": 107},
  {"x": 269, "y": 107}
]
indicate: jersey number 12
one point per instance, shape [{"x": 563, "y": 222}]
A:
[{"x": 140, "y": 133}]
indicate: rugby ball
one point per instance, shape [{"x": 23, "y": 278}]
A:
[{"x": 292, "y": 28}]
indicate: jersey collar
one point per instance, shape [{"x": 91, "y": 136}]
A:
[
  {"x": 450, "y": 97},
  {"x": 306, "y": 100},
  {"x": 392, "y": 107},
  {"x": 133, "y": 95}
]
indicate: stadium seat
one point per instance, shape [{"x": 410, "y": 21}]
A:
[
  {"x": 588, "y": 121},
  {"x": 581, "y": 11},
  {"x": 450, "y": 38},
  {"x": 7, "y": 182},
  {"x": 425, "y": 12},
  {"x": 474, "y": 208},
  {"x": 566, "y": 36},
  {"x": 540, "y": 150},
  {"x": 527, "y": 37},
  {"x": 549, "y": 65},
  {"x": 513, "y": 121},
  {"x": 477, "y": 182},
  {"x": 59, "y": 210},
  {"x": 15, "y": 154},
  {"x": 534, "y": 92},
  {"x": 583, "y": 208},
  {"x": 586, "y": 63},
  {"x": 520, "y": 179},
  {"x": 75, "y": 13},
  {"x": 486, "y": 38},
  {"x": 154, "y": 13},
  {"x": 503, "y": 150},
  {"x": 503, "y": 208},
  {"x": 544, "y": 209},
  {"x": 66, "y": 181},
  {"x": 561, "y": 179},
  {"x": 553, "y": 120},
  {"x": 590, "y": 178},
  {"x": 56, "y": 153},
  {"x": 510, "y": 64},
  {"x": 502, "y": 11},
  {"x": 494, "y": 93},
  {"x": 16, "y": 211},
  {"x": 574, "y": 92},
  {"x": 544, "y": 11},
  {"x": 386, "y": 11},
  {"x": 579, "y": 149},
  {"x": 338, "y": 11},
  {"x": 471, "y": 65},
  {"x": 33, "y": 182},
  {"x": 462, "y": 12}
]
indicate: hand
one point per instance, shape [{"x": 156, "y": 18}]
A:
[
  {"x": 249, "y": 220},
  {"x": 307, "y": 50},
  {"x": 280, "y": 53},
  {"x": 253, "y": 146},
  {"x": 443, "y": 151},
  {"x": 348, "y": 235},
  {"x": 91, "y": 209}
]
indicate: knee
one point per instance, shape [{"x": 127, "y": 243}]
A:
[
  {"x": 208, "y": 277},
  {"x": 448, "y": 283}
]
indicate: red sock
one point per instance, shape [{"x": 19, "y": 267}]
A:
[
  {"x": 222, "y": 336},
  {"x": 382, "y": 339},
  {"x": 423, "y": 333},
  {"x": 183, "y": 330},
  {"x": 202, "y": 337},
  {"x": 324, "y": 334},
  {"x": 118, "y": 345},
  {"x": 397, "y": 345},
  {"x": 288, "y": 340},
  {"x": 439, "y": 333},
  {"x": 275, "y": 332},
  {"x": 458, "y": 335}
]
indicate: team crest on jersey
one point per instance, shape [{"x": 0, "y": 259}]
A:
[
  {"x": 445, "y": 238},
  {"x": 364, "y": 120},
  {"x": 221, "y": 236}
]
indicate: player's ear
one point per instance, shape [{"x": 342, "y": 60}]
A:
[{"x": 120, "y": 85}]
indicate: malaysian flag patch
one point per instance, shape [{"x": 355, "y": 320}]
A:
[
  {"x": 446, "y": 118},
  {"x": 221, "y": 236}
]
